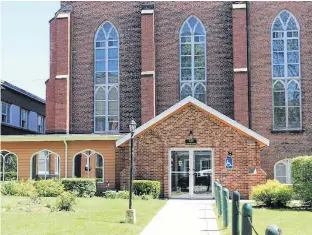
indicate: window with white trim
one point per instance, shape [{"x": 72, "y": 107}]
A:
[
  {"x": 286, "y": 78},
  {"x": 40, "y": 123},
  {"x": 56, "y": 165},
  {"x": 8, "y": 166},
  {"x": 43, "y": 163},
  {"x": 106, "y": 79},
  {"x": 193, "y": 60},
  {"x": 282, "y": 171},
  {"x": 5, "y": 117},
  {"x": 89, "y": 164},
  {"x": 24, "y": 118}
]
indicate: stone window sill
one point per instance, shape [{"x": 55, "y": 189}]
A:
[{"x": 287, "y": 131}]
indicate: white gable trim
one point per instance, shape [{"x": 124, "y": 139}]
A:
[{"x": 203, "y": 106}]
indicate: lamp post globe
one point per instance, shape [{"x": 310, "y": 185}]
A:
[{"x": 132, "y": 126}]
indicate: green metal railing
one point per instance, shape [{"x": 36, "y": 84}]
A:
[{"x": 223, "y": 205}]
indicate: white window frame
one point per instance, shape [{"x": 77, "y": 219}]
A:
[
  {"x": 88, "y": 153},
  {"x": 193, "y": 83},
  {"x": 3, "y": 155},
  {"x": 40, "y": 119},
  {"x": 27, "y": 118},
  {"x": 107, "y": 86},
  {"x": 45, "y": 155},
  {"x": 287, "y": 163},
  {"x": 56, "y": 165},
  {"x": 7, "y": 112},
  {"x": 286, "y": 80}
]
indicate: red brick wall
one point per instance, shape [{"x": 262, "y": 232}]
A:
[
  {"x": 217, "y": 20},
  {"x": 86, "y": 18},
  {"x": 151, "y": 151},
  {"x": 239, "y": 62},
  {"x": 148, "y": 43},
  {"x": 148, "y": 66},
  {"x": 56, "y": 90},
  {"x": 282, "y": 145},
  {"x": 169, "y": 16}
]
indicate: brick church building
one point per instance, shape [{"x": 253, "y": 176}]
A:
[{"x": 219, "y": 90}]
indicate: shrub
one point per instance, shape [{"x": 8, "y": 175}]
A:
[
  {"x": 111, "y": 194},
  {"x": 49, "y": 188},
  {"x": 302, "y": 178},
  {"x": 65, "y": 201},
  {"x": 25, "y": 188},
  {"x": 123, "y": 194},
  {"x": 114, "y": 195},
  {"x": 80, "y": 187},
  {"x": 9, "y": 188},
  {"x": 147, "y": 187},
  {"x": 11, "y": 175},
  {"x": 272, "y": 194},
  {"x": 146, "y": 197},
  {"x": 34, "y": 197}
]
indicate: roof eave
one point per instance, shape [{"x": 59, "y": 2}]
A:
[{"x": 235, "y": 125}]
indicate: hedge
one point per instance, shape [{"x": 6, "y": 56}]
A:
[
  {"x": 301, "y": 168},
  {"x": 81, "y": 187},
  {"x": 18, "y": 188},
  {"x": 272, "y": 194},
  {"x": 49, "y": 188},
  {"x": 9, "y": 188},
  {"x": 117, "y": 195},
  {"x": 11, "y": 175},
  {"x": 146, "y": 187}
]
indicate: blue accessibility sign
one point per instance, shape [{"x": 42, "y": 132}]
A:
[{"x": 229, "y": 163}]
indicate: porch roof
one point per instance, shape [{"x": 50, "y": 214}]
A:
[
  {"x": 59, "y": 137},
  {"x": 192, "y": 101}
]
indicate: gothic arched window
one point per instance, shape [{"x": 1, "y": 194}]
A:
[
  {"x": 106, "y": 79},
  {"x": 193, "y": 79},
  {"x": 286, "y": 84}
]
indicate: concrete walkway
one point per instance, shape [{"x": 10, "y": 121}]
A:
[{"x": 191, "y": 217}]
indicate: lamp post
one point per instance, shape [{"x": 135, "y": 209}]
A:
[
  {"x": 132, "y": 127},
  {"x": 130, "y": 213}
]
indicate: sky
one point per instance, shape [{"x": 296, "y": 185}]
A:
[{"x": 25, "y": 49}]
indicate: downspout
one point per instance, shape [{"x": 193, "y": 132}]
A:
[
  {"x": 66, "y": 158},
  {"x": 248, "y": 64}
]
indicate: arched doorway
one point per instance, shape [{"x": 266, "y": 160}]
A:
[
  {"x": 88, "y": 164},
  {"x": 45, "y": 164}
]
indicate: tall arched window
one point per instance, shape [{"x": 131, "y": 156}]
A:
[
  {"x": 282, "y": 171},
  {"x": 193, "y": 60},
  {"x": 285, "y": 37},
  {"x": 106, "y": 79},
  {"x": 88, "y": 164}
]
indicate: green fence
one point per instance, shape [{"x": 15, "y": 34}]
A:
[{"x": 223, "y": 206}]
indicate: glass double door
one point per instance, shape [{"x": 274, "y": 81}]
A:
[{"x": 191, "y": 173}]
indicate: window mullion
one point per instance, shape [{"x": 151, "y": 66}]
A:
[
  {"x": 286, "y": 77},
  {"x": 106, "y": 87},
  {"x": 192, "y": 64}
]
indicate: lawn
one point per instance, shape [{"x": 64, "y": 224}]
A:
[
  {"x": 91, "y": 216},
  {"x": 290, "y": 221}
]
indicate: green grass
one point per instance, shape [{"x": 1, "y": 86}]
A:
[
  {"x": 290, "y": 221},
  {"x": 91, "y": 216}
]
